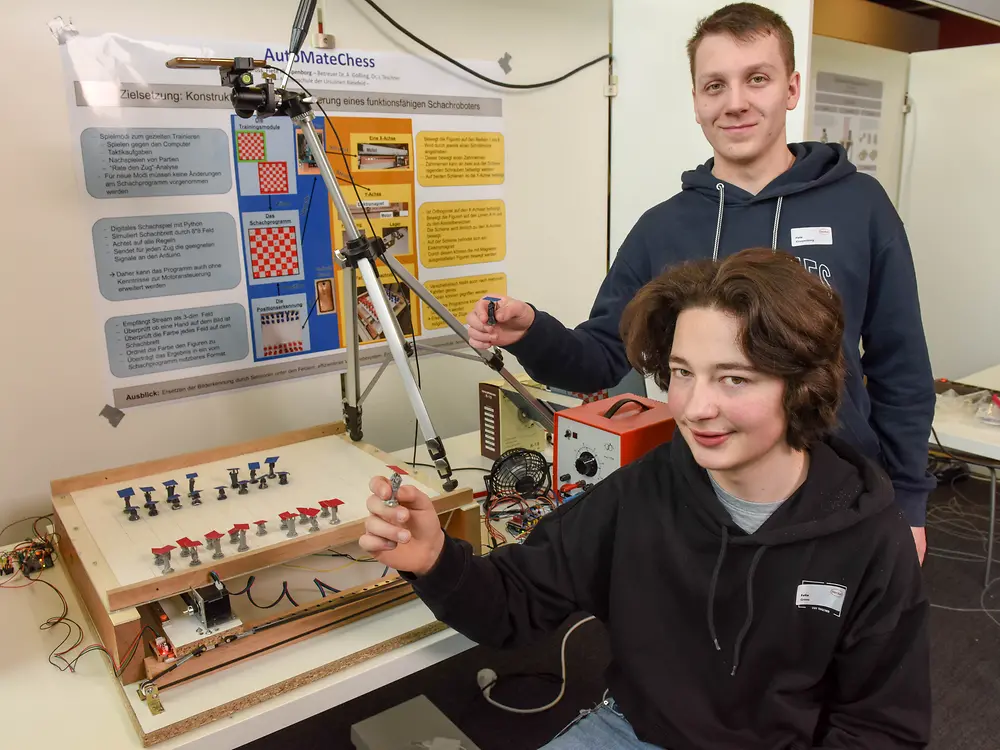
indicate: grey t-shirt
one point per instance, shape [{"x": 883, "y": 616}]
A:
[{"x": 747, "y": 515}]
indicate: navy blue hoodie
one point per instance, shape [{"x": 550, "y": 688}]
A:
[{"x": 842, "y": 226}]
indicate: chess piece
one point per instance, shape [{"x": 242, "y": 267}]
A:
[
  {"x": 222, "y": 492},
  {"x": 254, "y": 467},
  {"x": 188, "y": 548},
  {"x": 303, "y": 516},
  {"x": 243, "y": 541},
  {"x": 313, "y": 523},
  {"x": 195, "y": 497},
  {"x": 213, "y": 541},
  {"x": 126, "y": 495},
  {"x": 243, "y": 486},
  {"x": 263, "y": 482},
  {"x": 233, "y": 478},
  {"x": 270, "y": 465},
  {"x": 175, "y": 503},
  {"x": 234, "y": 535},
  {"x": 395, "y": 482},
  {"x": 150, "y": 503},
  {"x": 171, "y": 486},
  {"x": 282, "y": 477},
  {"x": 261, "y": 527},
  {"x": 194, "y": 556},
  {"x": 331, "y": 507},
  {"x": 191, "y": 477},
  {"x": 288, "y": 522},
  {"x": 162, "y": 558}
]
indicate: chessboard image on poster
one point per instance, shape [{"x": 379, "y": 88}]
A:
[{"x": 287, "y": 250}]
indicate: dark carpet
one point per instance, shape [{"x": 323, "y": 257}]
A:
[{"x": 965, "y": 660}]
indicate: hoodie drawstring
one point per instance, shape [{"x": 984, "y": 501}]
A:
[
  {"x": 777, "y": 218},
  {"x": 711, "y": 588},
  {"x": 718, "y": 223},
  {"x": 711, "y": 599},
  {"x": 746, "y": 625}
]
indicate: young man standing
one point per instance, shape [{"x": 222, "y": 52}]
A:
[
  {"x": 754, "y": 575},
  {"x": 805, "y": 198}
]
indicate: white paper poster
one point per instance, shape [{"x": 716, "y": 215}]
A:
[
  {"x": 213, "y": 234},
  {"x": 848, "y": 111}
]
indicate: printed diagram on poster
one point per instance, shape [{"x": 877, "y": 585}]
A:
[
  {"x": 848, "y": 111},
  {"x": 213, "y": 235}
]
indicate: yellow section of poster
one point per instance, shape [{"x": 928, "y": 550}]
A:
[
  {"x": 460, "y": 233},
  {"x": 459, "y": 295},
  {"x": 449, "y": 158}
]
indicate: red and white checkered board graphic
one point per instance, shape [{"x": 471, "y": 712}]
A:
[
  {"x": 274, "y": 252},
  {"x": 273, "y": 176},
  {"x": 250, "y": 146}
]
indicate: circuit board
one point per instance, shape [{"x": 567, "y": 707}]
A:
[{"x": 199, "y": 528}]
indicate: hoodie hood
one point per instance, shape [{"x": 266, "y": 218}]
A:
[
  {"x": 841, "y": 490},
  {"x": 816, "y": 164}
]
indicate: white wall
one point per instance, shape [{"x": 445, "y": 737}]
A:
[
  {"x": 52, "y": 379},
  {"x": 892, "y": 68},
  {"x": 654, "y": 99},
  {"x": 951, "y": 167}
]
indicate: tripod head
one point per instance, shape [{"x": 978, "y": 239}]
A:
[{"x": 249, "y": 99}]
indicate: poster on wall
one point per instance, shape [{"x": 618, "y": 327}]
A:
[
  {"x": 848, "y": 111},
  {"x": 213, "y": 235}
]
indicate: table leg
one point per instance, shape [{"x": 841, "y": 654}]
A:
[{"x": 993, "y": 513}]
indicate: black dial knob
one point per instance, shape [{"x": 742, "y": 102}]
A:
[{"x": 586, "y": 464}]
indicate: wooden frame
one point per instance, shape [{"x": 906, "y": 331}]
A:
[{"x": 118, "y": 611}]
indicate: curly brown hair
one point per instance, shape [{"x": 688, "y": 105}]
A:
[{"x": 791, "y": 327}]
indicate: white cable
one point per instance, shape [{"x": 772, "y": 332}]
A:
[{"x": 487, "y": 678}]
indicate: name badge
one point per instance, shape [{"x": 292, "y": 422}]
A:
[
  {"x": 812, "y": 236},
  {"x": 828, "y": 597}
]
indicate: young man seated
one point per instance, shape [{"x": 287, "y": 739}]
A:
[{"x": 759, "y": 585}]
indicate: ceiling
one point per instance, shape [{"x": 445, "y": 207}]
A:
[{"x": 908, "y": 6}]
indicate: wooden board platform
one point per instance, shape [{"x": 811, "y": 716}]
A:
[
  {"x": 110, "y": 557},
  {"x": 322, "y": 468}
]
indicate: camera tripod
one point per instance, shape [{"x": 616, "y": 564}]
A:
[{"x": 360, "y": 253}]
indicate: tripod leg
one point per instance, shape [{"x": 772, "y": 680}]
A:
[
  {"x": 351, "y": 378},
  {"x": 393, "y": 337},
  {"x": 543, "y": 413}
]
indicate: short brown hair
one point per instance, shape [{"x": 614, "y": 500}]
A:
[
  {"x": 792, "y": 326},
  {"x": 745, "y": 22}
]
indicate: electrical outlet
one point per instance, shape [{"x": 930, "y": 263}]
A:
[{"x": 324, "y": 41}]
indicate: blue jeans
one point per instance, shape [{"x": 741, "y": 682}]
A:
[{"x": 601, "y": 728}]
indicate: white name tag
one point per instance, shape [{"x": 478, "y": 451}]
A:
[
  {"x": 828, "y": 597},
  {"x": 812, "y": 236}
]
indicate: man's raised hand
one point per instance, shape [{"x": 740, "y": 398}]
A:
[{"x": 513, "y": 319}]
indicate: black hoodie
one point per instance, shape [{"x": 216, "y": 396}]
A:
[
  {"x": 842, "y": 227},
  {"x": 809, "y": 633}
]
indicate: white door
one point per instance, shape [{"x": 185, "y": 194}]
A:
[{"x": 951, "y": 168}]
